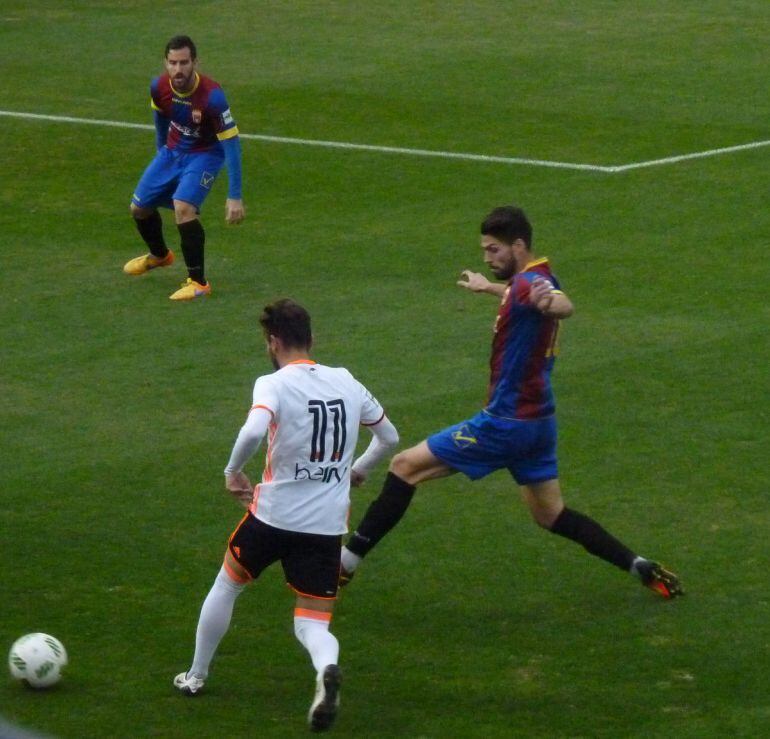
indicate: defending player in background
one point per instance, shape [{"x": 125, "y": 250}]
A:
[
  {"x": 299, "y": 511},
  {"x": 517, "y": 429},
  {"x": 195, "y": 136}
]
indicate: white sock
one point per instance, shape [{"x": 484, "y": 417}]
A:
[
  {"x": 314, "y": 635},
  {"x": 637, "y": 561},
  {"x": 214, "y": 621},
  {"x": 349, "y": 560}
]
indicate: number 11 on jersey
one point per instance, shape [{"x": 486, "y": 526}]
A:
[{"x": 321, "y": 411}]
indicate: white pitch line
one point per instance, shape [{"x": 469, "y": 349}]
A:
[
  {"x": 329, "y": 144},
  {"x": 609, "y": 169},
  {"x": 695, "y": 155},
  {"x": 429, "y": 153}
]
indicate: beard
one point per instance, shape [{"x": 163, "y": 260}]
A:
[
  {"x": 184, "y": 83},
  {"x": 504, "y": 273}
]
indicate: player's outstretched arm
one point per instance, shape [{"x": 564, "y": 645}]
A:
[
  {"x": 477, "y": 283},
  {"x": 384, "y": 438},
  {"x": 549, "y": 301}
]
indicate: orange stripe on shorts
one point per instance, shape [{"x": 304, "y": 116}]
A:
[{"x": 237, "y": 577}]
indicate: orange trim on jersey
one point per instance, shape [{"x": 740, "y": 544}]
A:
[
  {"x": 264, "y": 407},
  {"x": 254, "y": 500},
  {"x": 534, "y": 263},
  {"x": 301, "y": 361},
  {"x": 228, "y": 134},
  {"x": 317, "y": 615},
  {"x": 267, "y": 473},
  {"x": 307, "y": 595}
]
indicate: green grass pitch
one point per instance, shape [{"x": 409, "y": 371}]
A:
[{"x": 119, "y": 407}]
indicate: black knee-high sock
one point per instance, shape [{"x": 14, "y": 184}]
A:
[
  {"x": 193, "y": 239},
  {"x": 584, "y": 530},
  {"x": 151, "y": 231},
  {"x": 382, "y": 515}
]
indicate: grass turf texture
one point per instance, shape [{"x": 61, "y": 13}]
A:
[{"x": 121, "y": 406}]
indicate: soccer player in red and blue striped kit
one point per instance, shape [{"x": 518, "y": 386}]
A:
[
  {"x": 195, "y": 136},
  {"x": 516, "y": 430}
]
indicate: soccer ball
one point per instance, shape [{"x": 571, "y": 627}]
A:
[{"x": 37, "y": 659}]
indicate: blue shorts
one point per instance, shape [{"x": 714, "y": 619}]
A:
[
  {"x": 171, "y": 176},
  {"x": 484, "y": 443}
]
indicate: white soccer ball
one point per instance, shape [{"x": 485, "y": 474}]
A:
[{"x": 37, "y": 659}]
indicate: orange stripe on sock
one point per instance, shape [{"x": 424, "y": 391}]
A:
[{"x": 317, "y": 615}]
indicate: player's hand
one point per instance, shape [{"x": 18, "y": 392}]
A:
[
  {"x": 540, "y": 294},
  {"x": 234, "y": 211},
  {"x": 357, "y": 478},
  {"x": 239, "y": 486},
  {"x": 474, "y": 281}
]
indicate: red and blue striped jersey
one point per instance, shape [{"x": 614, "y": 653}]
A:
[
  {"x": 199, "y": 119},
  {"x": 523, "y": 351}
]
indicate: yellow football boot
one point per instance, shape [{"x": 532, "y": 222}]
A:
[
  {"x": 140, "y": 265},
  {"x": 190, "y": 290}
]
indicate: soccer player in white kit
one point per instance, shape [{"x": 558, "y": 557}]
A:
[{"x": 298, "y": 512}]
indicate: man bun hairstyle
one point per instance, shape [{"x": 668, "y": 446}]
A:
[
  {"x": 508, "y": 223},
  {"x": 182, "y": 42},
  {"x": 288, "y": 321}
]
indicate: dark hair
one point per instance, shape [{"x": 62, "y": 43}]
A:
[
  {"x": 288, "y": 321},
  {"x": 508, "y": 223},
  {"x": 182, "y": 42}
]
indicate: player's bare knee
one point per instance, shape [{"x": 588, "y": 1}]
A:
[
  {"x": 184, "y": 212},
  {"x": 402, "y": 466},
  {"x": 140, "y": 213},
  {"x": 544, "y": 519},
  {"x": 545, "y": 515}
]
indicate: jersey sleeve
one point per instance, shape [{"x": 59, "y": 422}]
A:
[
  {"x": 161, "y": 128},
  {"x": 155, "y": 96},
  {"x": 249, "y": 438},
  {"x": 232, "y": 149},
  {"x": 266, "y": 395},
  {"x": 371, "y": 410},
  {"x": 224, "y": 123}
]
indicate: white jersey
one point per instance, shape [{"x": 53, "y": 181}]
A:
[{"x": 316, "y": 412}]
